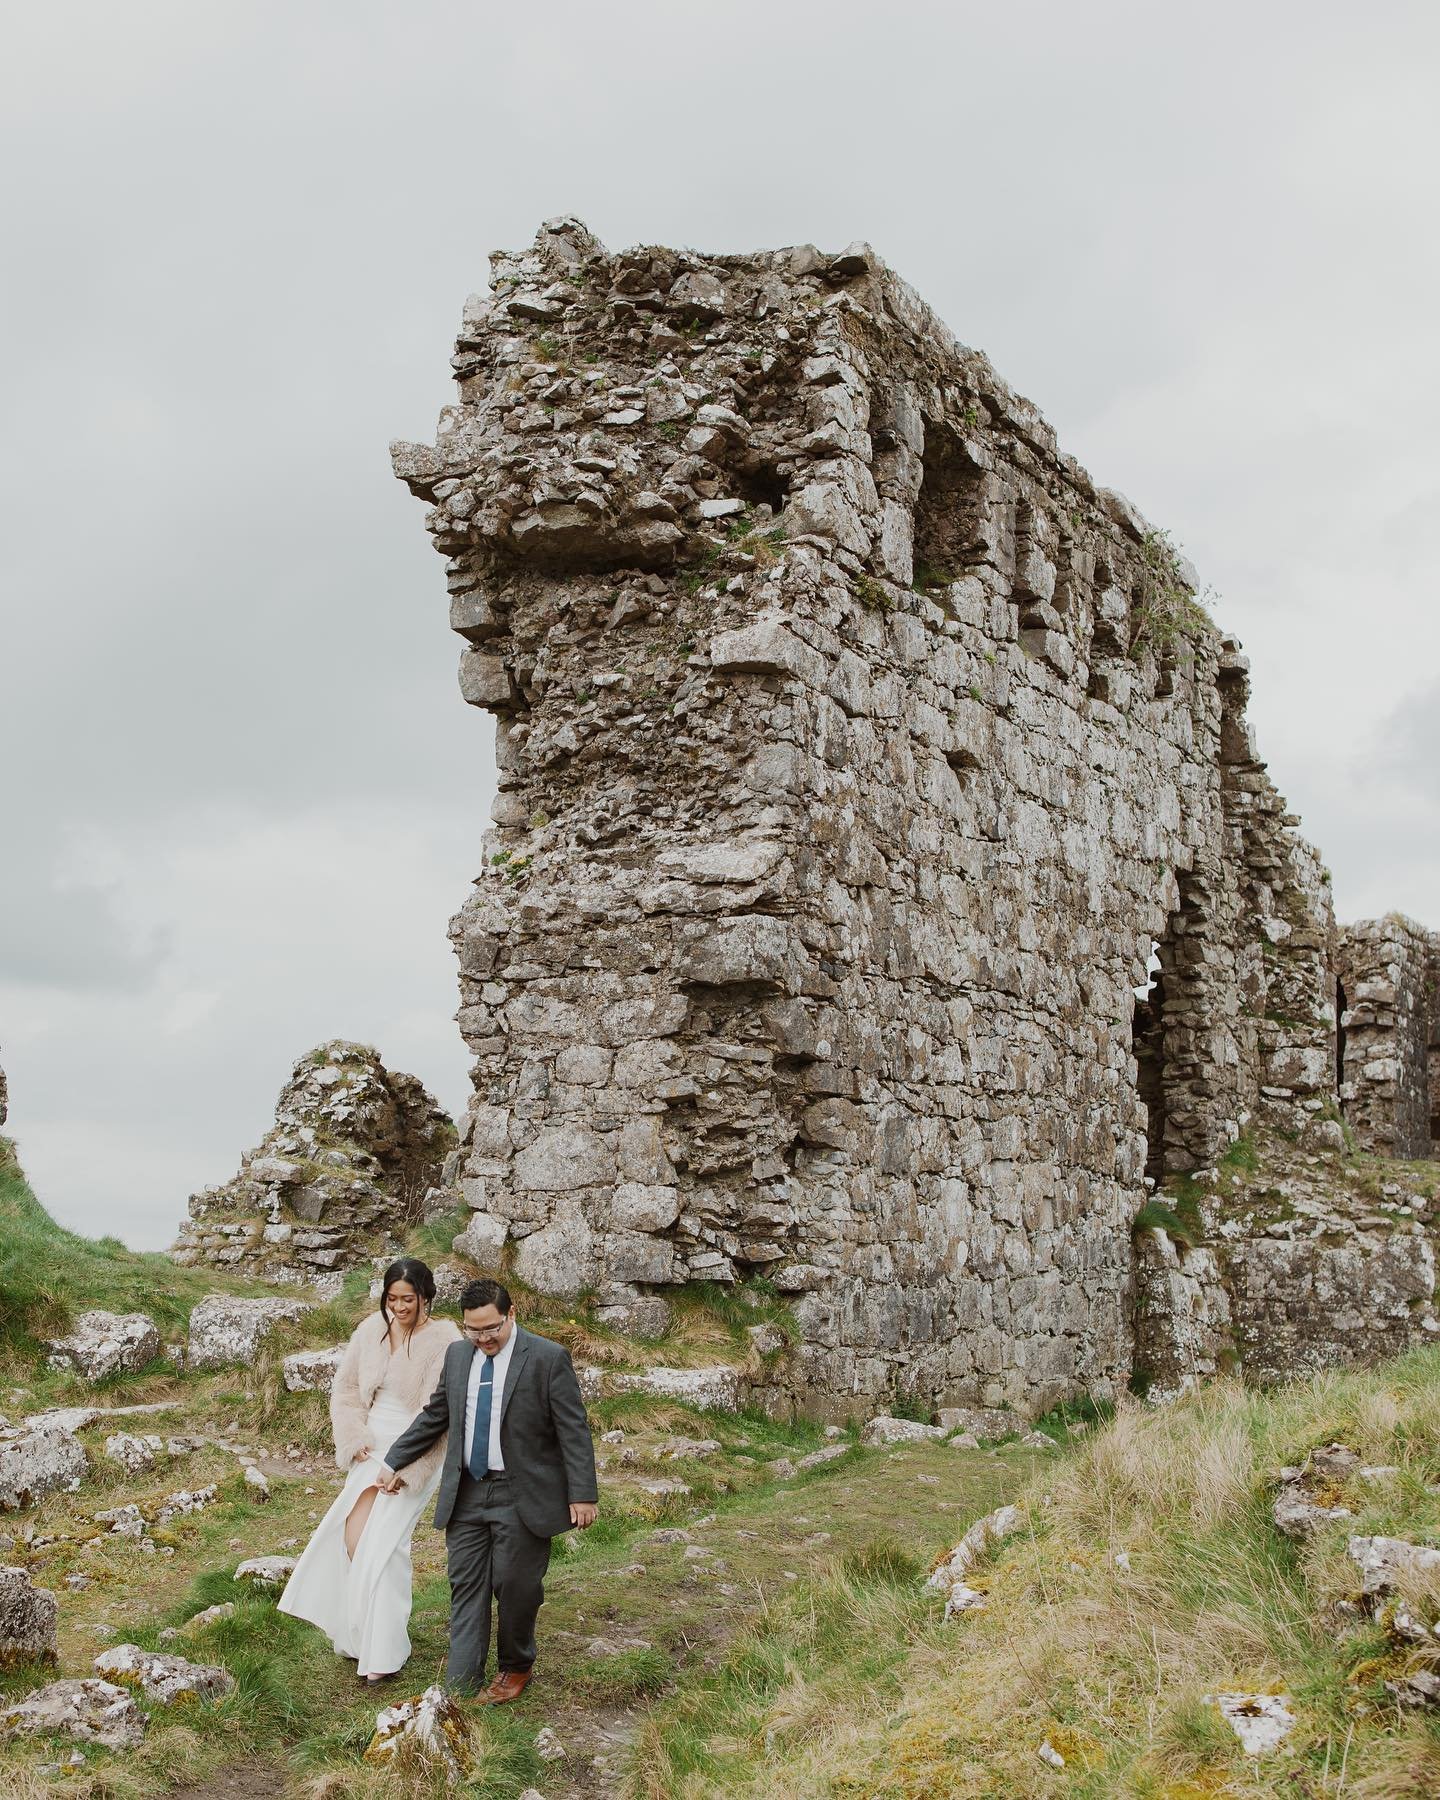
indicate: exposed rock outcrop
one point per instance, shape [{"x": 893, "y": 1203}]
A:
[
  {"x": 27, "y": 1619},
  {"x": 35, "y": 1462},
  {"x": 94, "y": 1711},
  {"x": 226, "y": 1330},
  {"x": 164, "y": 1679},
  {"x": 342, "y": 1174},
  {"x": 106, "y": 1343},
  {"x": 312, "y": 1371},
  {"x": 860, "y": 761}
]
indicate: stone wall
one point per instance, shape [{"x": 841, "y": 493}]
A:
[
  {"x": 1390, "y": 1074},
  {"x": 856, "y": 752}
]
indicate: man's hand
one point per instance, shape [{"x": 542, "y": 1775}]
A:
[
  {"x": 388, "y": 1482},
  {"x": 583, "y": 1514}
]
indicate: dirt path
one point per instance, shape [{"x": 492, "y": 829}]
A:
[{"x": 686, "y": 1591}]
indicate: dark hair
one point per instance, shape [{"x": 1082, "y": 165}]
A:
[
  {"x": 485, "y": 1292},
  {"x": 420, "y": 1276}
]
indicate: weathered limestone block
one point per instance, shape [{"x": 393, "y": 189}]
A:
[
  {"x": 28, "y": 1618},
  {"x": 134, "y": 1454},
  {"x": 266, "y": 1571},
  {"x": 104, "y": 1343},
  {"x": 165, "y": 1679},
  {"x": 1305, "y": 1304},
  {"x": 431, "y": 1733},
  {"x": 36, "y": 1462},
  {"x": 311, "y": 1371},
  {"x": 227, "y": 1330},
  {"x": 96, "y": 1712}
]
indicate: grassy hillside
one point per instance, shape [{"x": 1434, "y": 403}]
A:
[{"x": 1149, "y": 1574}]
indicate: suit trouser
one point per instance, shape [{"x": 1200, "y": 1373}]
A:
[{"x": 490, "y": 1553}]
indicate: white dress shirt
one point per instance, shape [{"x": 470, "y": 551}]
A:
[{"x": 477, "y": 1369}]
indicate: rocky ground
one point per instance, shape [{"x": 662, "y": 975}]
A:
[{"x": 886, "y": 1607}]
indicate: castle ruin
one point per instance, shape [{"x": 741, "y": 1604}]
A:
[{"x": 885, "y": 891}]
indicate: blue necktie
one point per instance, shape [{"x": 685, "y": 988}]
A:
[{"x": 480, "y": 1442}]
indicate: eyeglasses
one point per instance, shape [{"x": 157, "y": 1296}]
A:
[{"x": 481, "y": 1332}]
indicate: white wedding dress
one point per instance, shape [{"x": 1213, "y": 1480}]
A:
[{"x": 364, "y": 1606}]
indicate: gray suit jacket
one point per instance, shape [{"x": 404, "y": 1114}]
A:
[{"x": 544, "y": 1434}]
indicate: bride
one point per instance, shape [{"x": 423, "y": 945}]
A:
[{"x": 353, "y": 1579}]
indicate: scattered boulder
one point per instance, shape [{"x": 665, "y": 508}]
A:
[
  {"x": 312, "y": 1371},
  {"x": 163, "y": 1678},
  {"x": 886, "y": 1429},
  {"x": 713, "y": 1388},
  {"x": 27, "y": 1620},
  {"x": 948, "y": 1576},
  {"x": 677, "y": 1449},
  {"x": 1309, "y": 1495},
  {"x": 225, "y": 1330},
  {"x": 134, "y": 1454},
  {"x": 106, "y": 1343},
  {"x": 266, "y": 1571},
  {"x": 988, "y": 1424},
  {"x": 1388, "y": 1565},
  {"x": 187, "y": 1500},
  {"x": 1262, "y": 1722},
  {"x": 830, "y": 1453},
  {"x": 432, "y": 1731},
  {"x": 124, "y": 1521},
  {"x": 95, "y": 1711},
  {"x": 35, "y": 1462},
  {"x": 548, "y": 1746}
]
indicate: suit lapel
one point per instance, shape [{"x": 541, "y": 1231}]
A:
[
  {"x": 517, "y": 1359},
  {"x": 460, "y": 1392}
]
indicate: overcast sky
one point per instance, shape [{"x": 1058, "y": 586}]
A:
[{"x": 241, "y": 793}]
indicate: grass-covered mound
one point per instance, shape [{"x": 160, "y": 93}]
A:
[
  {"x": 49, "y": 1274},
  {"x": 1148, "y": 1575}
]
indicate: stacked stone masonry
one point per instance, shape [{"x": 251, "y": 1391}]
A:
[
  {"x": 1389, "y": 1055},
  {"x": 339, "y": 1178},
  {"x": 858, "y": 759}
]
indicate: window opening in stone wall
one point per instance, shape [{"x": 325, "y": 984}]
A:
[
  {"x": 1148, "y": 1040},
  {"x": 1433, "y": 1071},
  {"x": 947, "y": 513},
  {"x": 1341, "y": 1007}
]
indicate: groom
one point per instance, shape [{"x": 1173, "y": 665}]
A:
[{"x": 519, "y": 1467}]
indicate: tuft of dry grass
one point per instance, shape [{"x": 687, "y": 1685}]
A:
[{"x": 1108, "y": 1661}]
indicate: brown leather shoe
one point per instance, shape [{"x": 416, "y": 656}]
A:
[{"x": 509, "y": 1684}]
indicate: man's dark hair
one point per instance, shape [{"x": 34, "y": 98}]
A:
[{"x": 485, "y": 1292}]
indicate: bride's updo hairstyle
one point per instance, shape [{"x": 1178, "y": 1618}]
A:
[{"x": 420, "y": 1276}]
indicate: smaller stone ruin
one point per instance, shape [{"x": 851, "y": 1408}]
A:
[
  {"x": 1388, "y": 1038},
  {"x": 342, "y": 1174}
]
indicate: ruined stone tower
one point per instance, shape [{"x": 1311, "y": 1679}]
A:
[{"x": 859, "y": 758}]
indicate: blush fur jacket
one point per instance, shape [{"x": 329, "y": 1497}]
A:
[{"x": 413, "y": 1373}]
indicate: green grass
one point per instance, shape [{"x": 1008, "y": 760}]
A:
[
  {"x": 851, "y": 1684},
  {"x": 49, "y": 1274}
]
